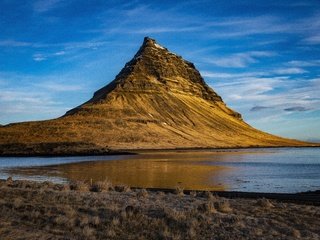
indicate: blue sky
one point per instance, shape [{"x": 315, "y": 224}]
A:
[{"x": 262, "y": 57}]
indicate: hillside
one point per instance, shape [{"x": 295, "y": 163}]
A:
[{"x": 157, "y": 101}]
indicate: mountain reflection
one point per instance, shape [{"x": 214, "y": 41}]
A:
[
  {"x": 148, "y": 173},
  {"x": 161, "y": 170}
]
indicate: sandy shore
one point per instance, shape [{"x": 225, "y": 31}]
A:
[{"x": 31, "y": 210}]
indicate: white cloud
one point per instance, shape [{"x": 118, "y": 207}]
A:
[
  {"x": 135, "y": 11},
  {"x": 224, "y": 75},
  {"x": 60, "y": 53},
  {"x": 313, "y": 40},
  {"x": 26, "y": 97},
  {"x": 249, "y": 88},
  {"x": 245, "y": 93},
  {"x": 240, "y": 60},
  {"x": 286, "y": 71},
  {"x": 245, "y": 26},
  {"x": 42, "y": 6},
  {"x": 279, "y": 73},
  {"x": 39, "y": 97},
  {"x": 164, "y": 30},
  {"x": 38, "y": 57},
  {"x": 272, "y": 90},
  {"x": 14, "y": 43},
  {"x": 60, "y": 87},
  {"x": 307, "y": 63}
]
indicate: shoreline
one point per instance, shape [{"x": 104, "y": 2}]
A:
[
  {"x": 45, "y": 210},
  {"x": 307, "y": 198},
  {"x": 111, "y": 152}
]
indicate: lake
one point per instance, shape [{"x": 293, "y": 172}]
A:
[{"x": 287, "y": 170}]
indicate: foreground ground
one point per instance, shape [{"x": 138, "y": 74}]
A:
[{"x": 30, "y": 210}]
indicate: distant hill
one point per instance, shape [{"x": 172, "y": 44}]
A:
[{"x": 157, "y": 101}]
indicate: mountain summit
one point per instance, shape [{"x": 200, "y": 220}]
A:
[
  {"x": 157, "y": 101},
  {"x": 154, "y": 69}
]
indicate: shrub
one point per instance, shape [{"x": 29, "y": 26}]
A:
[
  {"x": 210, "y": 196},
  {"x": 61, "y": 220},
  {"x": 142, "y": 193},
  {"x": 122, "y": 188},
  {"x": 79, "y": 186},
  {"x": 115, "y": 221},
  {"x": 264, "y": 203},
  {"x": 9, "y": 181},
  {"x": 207, "y": 208},
  {"x": 111, "y": 233},
  {"x": 223, "y": 206},
  {"x": 296, "y": 233},
  {"x": 96, "y": 221},
  {"x": 131, "y": 210},
  {"x": 69, "y": 211},
  {"x": 179, "y": 191},
  {"x": 17, "y": 203},
  {"x": 88, "y": 232},
  {"x": 193, "y": 194},
  {"x": 101, "y": 186}
]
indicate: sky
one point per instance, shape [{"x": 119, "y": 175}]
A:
[{"x": 262, "y": 57}]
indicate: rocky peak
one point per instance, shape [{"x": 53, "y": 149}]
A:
[
  {"x": 155, "y": 69},
  {"x": 149, "y": 42},
  {"x": 150, "y": 46}
]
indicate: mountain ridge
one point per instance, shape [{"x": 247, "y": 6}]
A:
[{"x": 157, "y": 101}]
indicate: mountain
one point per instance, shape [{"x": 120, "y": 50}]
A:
[{"x": 157, "y": 101}]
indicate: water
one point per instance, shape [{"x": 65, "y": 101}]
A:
[{"x": 257, "y": 170}]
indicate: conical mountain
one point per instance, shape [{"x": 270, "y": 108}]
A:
[{"x": 157, "y": 101}]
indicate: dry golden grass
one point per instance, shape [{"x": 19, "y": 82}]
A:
[
  {"x": 31, "y": 210},
  {"x": 101, "y": 186}
]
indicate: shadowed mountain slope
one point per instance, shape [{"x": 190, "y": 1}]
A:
[{"x": 157, "y": 101}]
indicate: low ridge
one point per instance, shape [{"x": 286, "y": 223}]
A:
[{"x": 157, "y": 101}]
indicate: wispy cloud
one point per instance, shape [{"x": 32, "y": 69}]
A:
[
  {"x": 240, "y": 60},
  {"x": 275, "y": 93},
  {"x": 263, "y": 25},
  {"x": 249, "y": 88},
  {"x": 60, "y": 53},
  {"x": 306, "y": 63},
  {"x": 89, "y": 44},
  {"x": 153, "y": 30},
  {"x": 296, "y": 109},
  {"x": 314, "y": 40},
  {"x": 292, "y": 70},
  {"x": 60, "y": 87},
  {"x": 27, "y": 97},
  {"x": 259, "y": 108},
  {"x": 38, "y": 57},
  {"x": 36, "y": 95},
  {"x": 246, "y": 26},
  {"x": 227, "y": 75},
  {"x": 42, "y": 6},
  {"x": 14, "y": 43},
  {"x": 278, "y": 73}
]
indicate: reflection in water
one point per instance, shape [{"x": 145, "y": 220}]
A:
[
  {"x": 260, "y": 170},
  {"x": 148, "y": 173},
  {"x": 162, "y": 170}
]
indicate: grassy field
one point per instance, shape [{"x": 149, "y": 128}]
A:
[{"x": 31, "y": 210}]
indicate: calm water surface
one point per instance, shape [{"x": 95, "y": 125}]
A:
[{"x": 257, "y": 170}]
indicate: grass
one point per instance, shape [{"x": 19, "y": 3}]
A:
[
  {"x": 101, "y": 186},
  {"x": 32, "y": 210}
]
